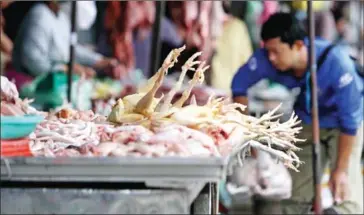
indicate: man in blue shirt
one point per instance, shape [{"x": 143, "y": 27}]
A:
[{"x": 284, "y": 59}]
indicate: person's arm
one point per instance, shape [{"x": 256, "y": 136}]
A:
[
  {"x": 350, "y": 108},
  {"x": 349, "y": 102},
  {"x": 85, "y": 56},
  {"x": 257, "y": 68},
  {"x": 6, "y": 45}
]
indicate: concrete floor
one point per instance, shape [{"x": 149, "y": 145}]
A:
[{"x": 247, "y": 206}]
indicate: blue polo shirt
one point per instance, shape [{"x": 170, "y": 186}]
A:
[{"x": 340, "y": 97}]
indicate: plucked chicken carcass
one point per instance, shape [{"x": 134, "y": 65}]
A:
[
  {"x": 233, "y": 132},
  {"x": 8, "y": 90}
]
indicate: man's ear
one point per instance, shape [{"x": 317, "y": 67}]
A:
[{"x": 298, "y": 44}]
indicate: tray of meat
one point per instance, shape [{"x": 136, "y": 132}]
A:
[
  {"x": 79, "y": 146},
  {"x": 113, "y": 169}
]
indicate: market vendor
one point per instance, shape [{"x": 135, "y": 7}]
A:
[
  {"x": 284, "y": 59},
  {"x": 43, "y": 42}
]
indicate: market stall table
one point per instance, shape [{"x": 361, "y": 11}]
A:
[
  {"x": 169, "y": 151},
  {"x": 170, "y": 185}
]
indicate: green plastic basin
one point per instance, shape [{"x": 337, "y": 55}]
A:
[{"x": 14, "y": 127}]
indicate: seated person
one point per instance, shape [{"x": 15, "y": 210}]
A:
[{"x": 42, "y": 46}]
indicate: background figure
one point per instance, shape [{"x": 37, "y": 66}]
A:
[
  {"x": 86, "y": 13},
  {"x": 324, "y": 20},
  {"x": 349, "y": 26},
  {"x": 227, "y": 58},
  {"x": 200, "y": 24},
  {"x": 128, "y": 33},
  {"x": 284, "y": 59},
  {"x": 34, "y": 55},
  {"x": 6, "y": 45},
  {"x": 14, "y": 15}
]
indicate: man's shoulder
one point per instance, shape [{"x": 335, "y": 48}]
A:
[
  {"x": 258, "y": 61},
  {"x": 340, "y": 58},
  {"x": 259, "y": 55},
  {"x": 39, "y": 12}
]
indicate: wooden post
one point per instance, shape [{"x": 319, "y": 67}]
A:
[{"x": 316, "y": 164}]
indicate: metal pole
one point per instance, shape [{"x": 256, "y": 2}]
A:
[
  {"x": 73, "y": 42},
  {"x": 316, "y": 165},
  {"x": 214, "y": 193},
  {"x": 156, "y": 41}
]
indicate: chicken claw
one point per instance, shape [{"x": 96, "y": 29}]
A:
[
  {"x": 169, "y": 62},
  {"x": 187, "y": 66},
  {"x": 198, "y": 78},
  {"x": 144, "y": 104}
]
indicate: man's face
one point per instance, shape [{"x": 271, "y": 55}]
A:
[
  {"x": 280, "y": 54},
  {"x": 54, "y": 6}
]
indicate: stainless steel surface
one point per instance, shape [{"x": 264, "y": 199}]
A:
[
  {"x": 86, "y": 201},
  {"x": 180, "y": 179},
  {"x": 173, "y": 170}
]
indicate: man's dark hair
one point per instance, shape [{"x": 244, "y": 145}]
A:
[
  {"x": 338, "y": 10},
  {"x": 284, "y": 26}
]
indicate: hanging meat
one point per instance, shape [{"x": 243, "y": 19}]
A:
[
  {"x": 200, "y": 22},
  {"x": 121, "y": 20}
]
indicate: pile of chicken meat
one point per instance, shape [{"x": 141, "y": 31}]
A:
[{"x": 143, "y": 124}]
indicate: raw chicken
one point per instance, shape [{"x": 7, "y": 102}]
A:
[
  {"x": 143, "y": 125},
  {"x": 8, "y": 90},
  {"x": 11, "y": 104}
]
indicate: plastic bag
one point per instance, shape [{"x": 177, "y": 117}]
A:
[
  {"x": 28, "y": 90},
  {"x": 50, "y": 91},
  {"x": 263, "y": 177},
  {"x": 275, "y": 182}
]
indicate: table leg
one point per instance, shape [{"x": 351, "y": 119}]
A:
[
  {"x": 202, "y": 203},
  {"x": 214, "y": 198}
]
